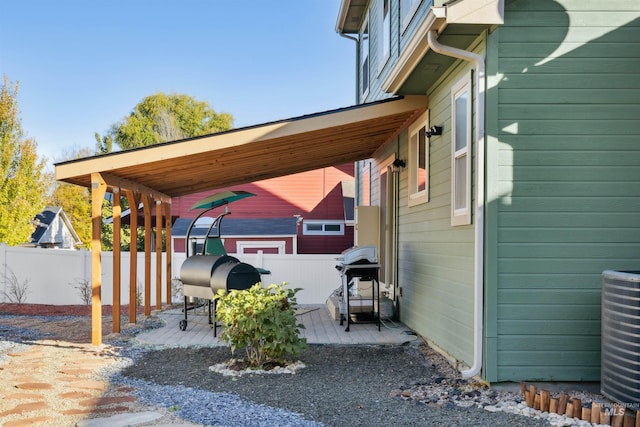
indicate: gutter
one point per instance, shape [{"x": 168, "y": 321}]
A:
[
  {"x": 357, "y": 41},
  {"x": 356, "y": 165},
  {"x": 479, "y": 83}
]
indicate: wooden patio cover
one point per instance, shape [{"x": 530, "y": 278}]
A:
[{"x": 154, "y": 174}]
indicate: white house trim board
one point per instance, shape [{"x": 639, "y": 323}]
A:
[
  {"x": 417, "y": 137},
  {"x": 461, "y": 152},
  {"x": 490, "y": 12}
]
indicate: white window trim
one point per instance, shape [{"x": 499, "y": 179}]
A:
[
  {"x": 324, "y": 222},
  {"x": 242, "y": 245},
  {"x": 385, "y": 32},
  {"x": 461, "y": 216},
  {"x": 365, "y": 24},
  {"x": 407, "y": 17},
  {"x": 420, "y": 125}
]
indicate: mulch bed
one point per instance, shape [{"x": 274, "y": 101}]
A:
[
  {"x": 58, "y": 310},
  {"x": 62, "y": 322}
]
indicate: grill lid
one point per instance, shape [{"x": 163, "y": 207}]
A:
[
  {"x": 366, "y": 254},
  {"x": 197, "y": 269}
]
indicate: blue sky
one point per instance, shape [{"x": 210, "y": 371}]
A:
[{"x": 83, "y": 66}]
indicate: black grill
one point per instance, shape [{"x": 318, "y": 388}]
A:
[
  {"x": 359, "y": 262},
  {"x": 213, "y": 272},
  {"x": 203, "y": 275}
]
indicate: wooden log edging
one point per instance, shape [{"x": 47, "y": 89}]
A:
[{"x": 603, "y": 413}]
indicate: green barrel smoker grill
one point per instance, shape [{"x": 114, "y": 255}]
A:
[{"x": 203, "y": 274}]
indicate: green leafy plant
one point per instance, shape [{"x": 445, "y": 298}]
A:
[{"x": 262, "y": 321}]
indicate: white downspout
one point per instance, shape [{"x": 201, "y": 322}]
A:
[{"x": 479, "y": 76}]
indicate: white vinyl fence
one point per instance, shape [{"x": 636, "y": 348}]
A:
[{"x": 54, "y": 276}]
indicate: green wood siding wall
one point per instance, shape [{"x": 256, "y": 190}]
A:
[
  {"x": 379, "y": 68},
  {"x": 563, "y": 181},
  {"x": 435, "y": 259}
]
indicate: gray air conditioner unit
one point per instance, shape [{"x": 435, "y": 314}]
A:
[{"x": 620, "y": 368}]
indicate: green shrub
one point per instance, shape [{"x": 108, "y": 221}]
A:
[{"x": 262, "y": 321}]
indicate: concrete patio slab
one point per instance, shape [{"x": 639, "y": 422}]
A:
[{"x": 319, "y": 328}]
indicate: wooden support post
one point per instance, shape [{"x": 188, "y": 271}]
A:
[
  {"x": 629, "y": 420},
  {"x": 577, "y": 408},
  {"x": 158, "y": 255},
  {"x": 134, "y": 201},
  {"x": 596, "y": 407},
  {"x": 115, "y": 313},
  {"x": 562, "y": 403},
  {"x": 146, "y": 206},
  {"x": 569, "y": 411},
  {"x": 618, "y": 416},
  {"x": 586, "y": 414},
  {"x": 532, "y": 396},
  {"x": 637, "y": 418},
  {"x": 553, "y": 405},
  {"x": 605, "y": 417},
  {"x": 545, "y": 400},
  {"x": 536, "y": 402},
  {"x": 98, "y": 190},
  {"x": 168, "y": 250}
]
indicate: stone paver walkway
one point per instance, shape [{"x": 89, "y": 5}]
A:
[{"x": 55, "y": 383}]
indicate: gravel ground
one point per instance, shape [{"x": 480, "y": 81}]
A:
[{"x": 340, "y": 386}]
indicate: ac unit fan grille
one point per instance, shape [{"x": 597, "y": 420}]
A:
[{"x": 620, "y": 368}]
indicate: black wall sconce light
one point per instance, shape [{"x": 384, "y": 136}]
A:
[
  {"x": 434, "y": 130},
  {"x": 399, "y": 163}
]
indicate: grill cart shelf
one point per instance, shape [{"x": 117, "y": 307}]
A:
[
  {"x": 366, "y": 272},
  {"x": 359, "y": 262}
]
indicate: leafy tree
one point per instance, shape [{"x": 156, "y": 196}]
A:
[
  {"x": 76, "y": 203},
  {"x": 22, "y": 177},
  {"x": 104, "y": 144},
  {"x": 161, "y": 118},
  {"x": 75, "y": 200}
]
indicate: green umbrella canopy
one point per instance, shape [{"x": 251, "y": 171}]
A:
[{"x": 222, "y": 198}]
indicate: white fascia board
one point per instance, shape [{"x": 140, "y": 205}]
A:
[{"x": 488, "y": 12}]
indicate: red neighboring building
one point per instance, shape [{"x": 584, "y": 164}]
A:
[{"x": 305, "y": 213}]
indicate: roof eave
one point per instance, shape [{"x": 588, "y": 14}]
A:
[
  {"x": 472, "y": 12},
  {"x": 350, "y": 16},
  {"x": 342, "y": 16},
  {"x": 250, "y": 154},
  {"x": 415, "y": 50}
]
